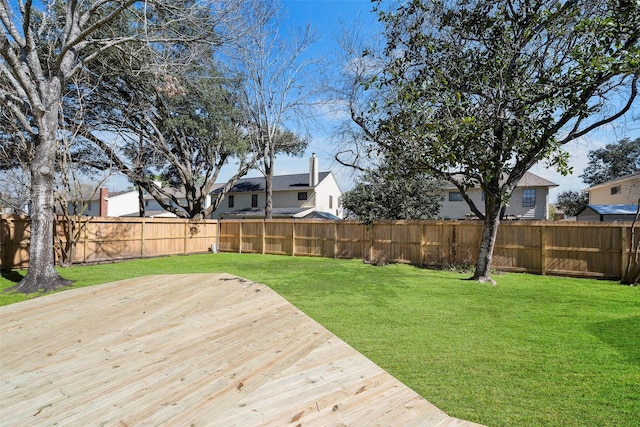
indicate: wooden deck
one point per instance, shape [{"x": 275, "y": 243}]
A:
[{"x": 196, "y": 350}]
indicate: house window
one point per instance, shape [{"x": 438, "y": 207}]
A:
[
  {"x": 254, "y": 200},
  {"x": 302, "y": 195},
  {"x": 89, "y": 206},
  {"x": 146, "y": 203},
  {"x": 455, "y": 196},
  {"x": 231, "y": 201},
  {"x": 529, "y": 198},
  {"x": 615, "y": 190},
  {"x": 330, "y": 202}
]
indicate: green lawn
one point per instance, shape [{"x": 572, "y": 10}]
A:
[{"x": 532, "y": 351}]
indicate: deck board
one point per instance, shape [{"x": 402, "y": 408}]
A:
[{"x": 194, "y": 350}]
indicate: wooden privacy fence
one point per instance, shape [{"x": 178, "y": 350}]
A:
[
  {"x": 109, "y": 239},
  {"x": 580, "y": 249}
]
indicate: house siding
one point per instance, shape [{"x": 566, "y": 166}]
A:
[
  {"x": 241, "y": 200},
  {"x": 459, "y": 209},
  {"x": 325, "y": 190},
  {"x": 629, "y": 193},
  {"x": 123, "y": 204},
  {"x": 317, "y": 198}
]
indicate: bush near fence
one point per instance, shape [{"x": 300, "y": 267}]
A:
[{"x": 582, "y": 249}]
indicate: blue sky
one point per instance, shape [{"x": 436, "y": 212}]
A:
[{"x": 326, "y": 17}]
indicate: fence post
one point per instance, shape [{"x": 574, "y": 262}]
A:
[
  {"x": 423, "y": 232},
  {"x": 543, "y": 250},
  {"x": 142, "y": 238},
  {"x": 293, "y": 237},
  {"x": 264, "y": 232},
  {"x": 186, "y": 232},
  {"x": 4, "y": 243},
  {"x": 335, "y": 239},
  {"x": 240, "y": 237},
  {"x": 623, "y": 252},
  {"x": 85, "y": 243}
]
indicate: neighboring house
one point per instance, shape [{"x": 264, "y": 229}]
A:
[
  {"x": 529, "y": 200},
  {"x": 95, "y": 205},
  {"x": 620, "y": 191},
  {"x": 127, "y": 204},
  {"x": 123, "y": 203},
  {"x": 306, "y": 195},
  {"x": 607, "y": 213}
]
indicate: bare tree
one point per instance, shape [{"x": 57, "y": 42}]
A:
[
  {"x": 278, "y": 80},
  {"x": 42, "y": 48}
]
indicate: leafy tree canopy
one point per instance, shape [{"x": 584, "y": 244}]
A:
[
  {"x": 612, "y": 161},
  {"x": 486, "y": 89},
  {"x": 571, "y": 202},
  {"x": 390, "y": 193}
]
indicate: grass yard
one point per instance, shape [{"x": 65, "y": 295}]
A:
[{"x": 532, "y": 351}]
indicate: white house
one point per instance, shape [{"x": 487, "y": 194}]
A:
[
  {"x": 306, "y": 195},
  {"x": 529, "y": 200}
]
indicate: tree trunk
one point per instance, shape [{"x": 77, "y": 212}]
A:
[
  {"x": 268, "y": 182},
  {"x": 268, "y": 205},
  {"x": 493, "y": 207},
  {"x": 140, "y": 201},
  {"x": 42, "y": 275}
]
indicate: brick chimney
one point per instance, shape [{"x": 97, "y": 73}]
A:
[{"x": 104, "y": 201}]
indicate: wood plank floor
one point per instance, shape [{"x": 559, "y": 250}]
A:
[{"x": 196, "y": 350}]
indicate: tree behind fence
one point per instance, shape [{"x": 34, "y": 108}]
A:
[{"x": 598, "y": 250}]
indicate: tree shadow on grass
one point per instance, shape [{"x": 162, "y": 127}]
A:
[
  {"x": 622, "y": 335},
  {"x": 12, "y": 275}
]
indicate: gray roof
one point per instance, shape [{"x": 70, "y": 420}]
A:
[
  {"x": 259, "y": 213},
  {"x": 528, "y": 180},
  {"x": 279, "y": 183},
  {"x": 280, "y": 213}
]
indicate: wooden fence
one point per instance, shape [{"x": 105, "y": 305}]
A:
[
  {"x": 582, "y": 249},
  {"x": 108, "y": 239},
  {"x": 598, "y": 250}
]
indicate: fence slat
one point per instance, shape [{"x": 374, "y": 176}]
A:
[{"x": 540, "y": 247}]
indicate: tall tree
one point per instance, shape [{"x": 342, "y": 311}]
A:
[
  {"x": 612, "y": 161},
  {"x": 42, "y": 48},
  {"x": 486, "y": 89},
  {"x": 181, "y": 129},
  {"x": 278, "y": 85},
  {"x": 572, "y": 202},
  {"x": 179, "y": 125}
]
